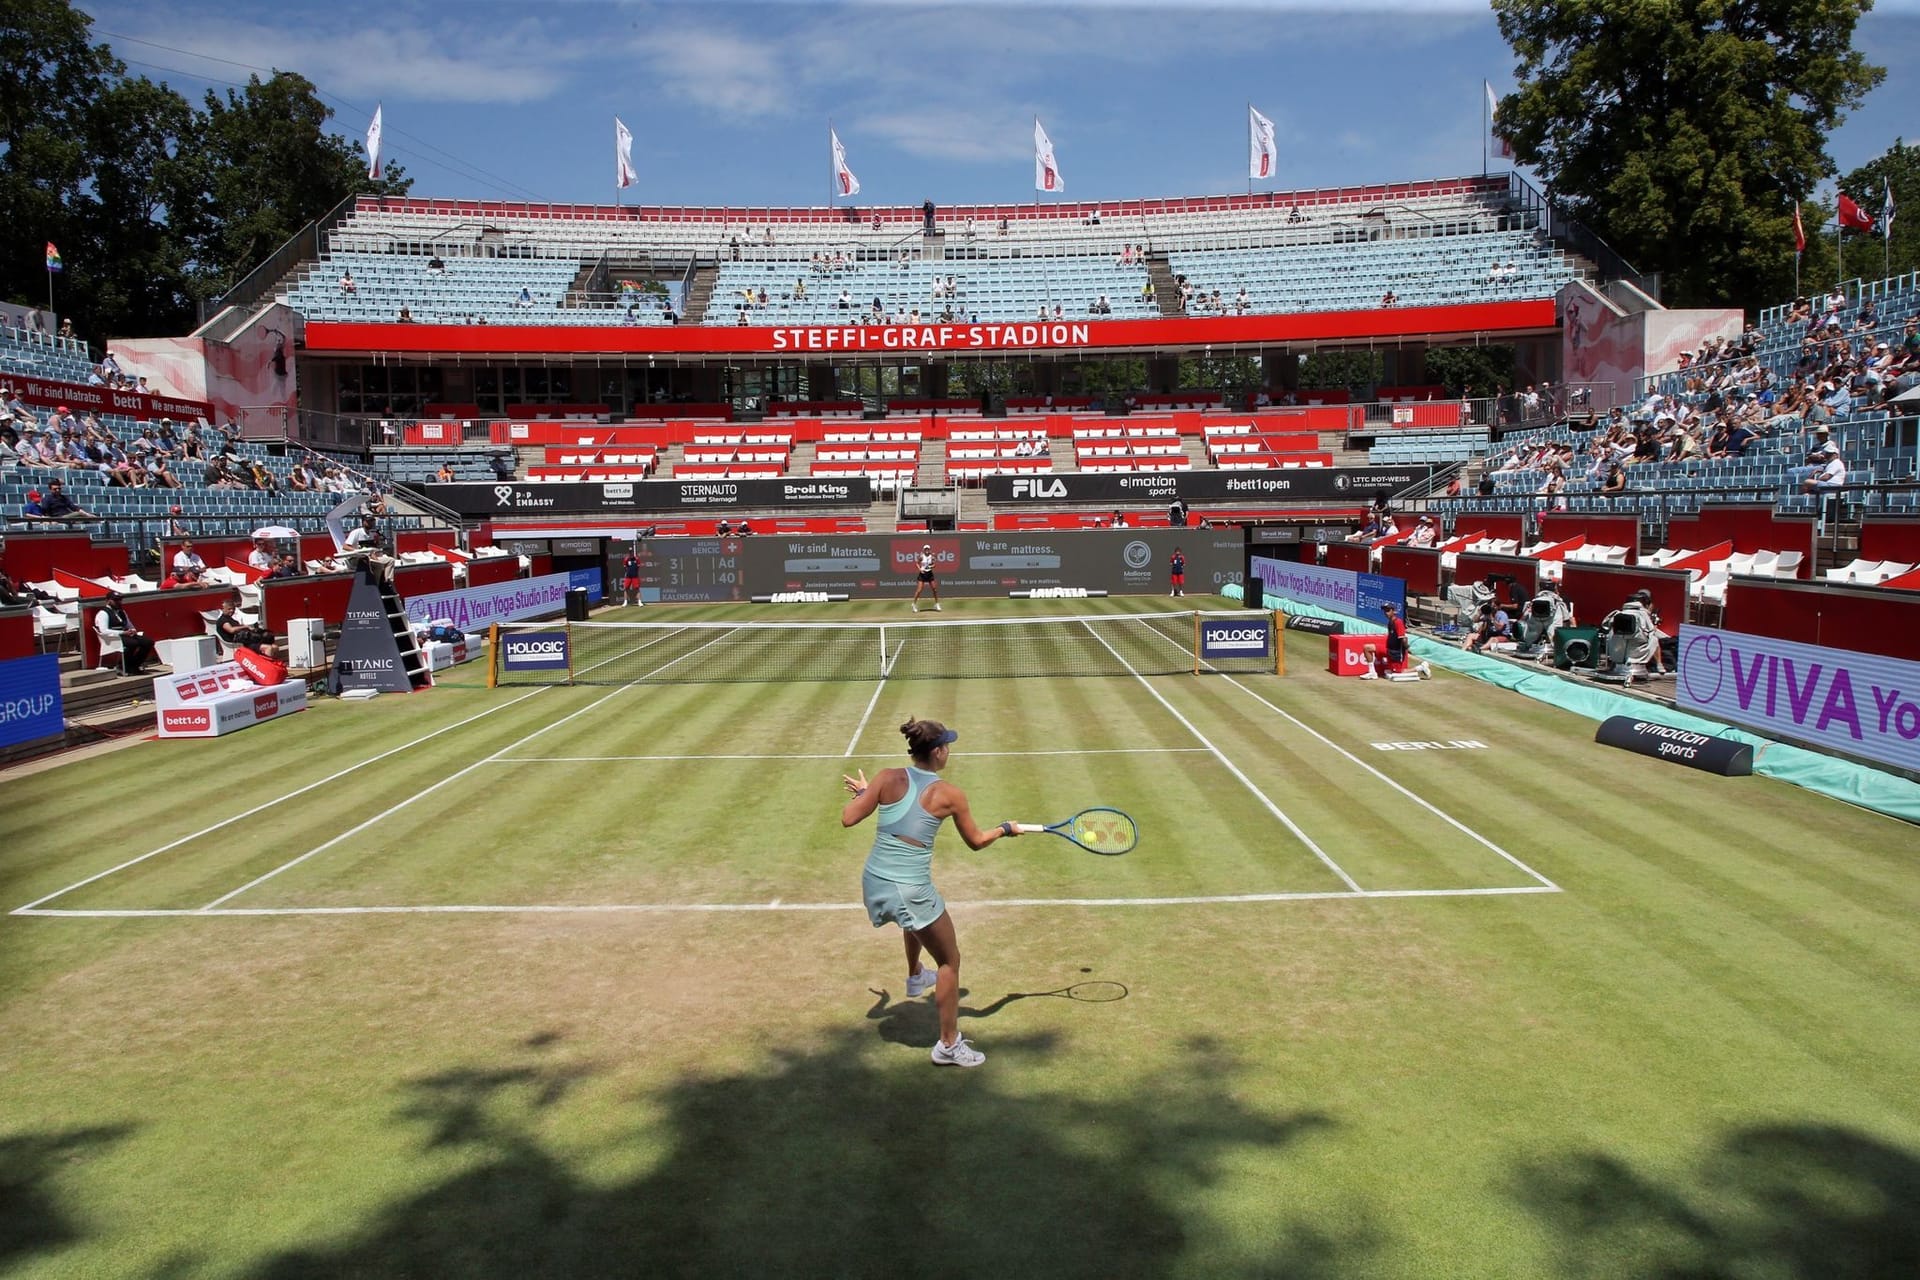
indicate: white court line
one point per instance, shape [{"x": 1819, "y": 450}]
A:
[
  {"x": 333, "y": 777},
  {"x": 454, "y": 777},
  {"x": 861, "y": 728},
  {"x": 732, "y": 908},
  {"x": 1232, "y": 768},
  {"x": 792, "y": 755},
  {"x": 1435, "y": 810},
  {"x": 262, "y": 807}
]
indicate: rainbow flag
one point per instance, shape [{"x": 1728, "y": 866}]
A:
[{"x": 53, "y": 257}]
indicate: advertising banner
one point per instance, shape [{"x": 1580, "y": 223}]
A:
[
  {"x": 1358, "y": 595},
  {"x": 473, "y": 609},
  {"x": 368, "y": 654},
  {"x": 866, "y": 566},
  {"x": 220, "y": 699},
  {"x": 1114, "y": 489},
  {"x": 1480, "y": 318},
  {"x": 44, "y": 393},
  {"x": 1236, "y": 638},
  {"x": 30, "y": 699},
  {"x": 534, "y": 651},
  {"x": 611, "y": 498},
  {"x": 1860, "y": 704}
]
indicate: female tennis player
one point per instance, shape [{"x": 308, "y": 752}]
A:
[{"x": 898, "y": 881}]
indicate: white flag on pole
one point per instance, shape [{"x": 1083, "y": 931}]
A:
[
  {"x": 843, "y": 180},
  {"x": 1886, "y": 214},
  {"x": 623, "y": 175},
  {"x": 1261, "y": 152},
  {"x": 373, "y": 145},
  {"x": 1497, "y": 146},
  {"x": 1046, "y": 173}
]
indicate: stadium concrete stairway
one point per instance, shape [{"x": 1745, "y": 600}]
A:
[
  {"x": 1166, "y": 291},
  {"x": 699, "y": 293}
]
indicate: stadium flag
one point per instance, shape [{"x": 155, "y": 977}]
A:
[
  {"x": 843, "y": 180},
  {"x": 1046, "y": 172},
  {"x": 1799, "y": 231},
  {"x": 373, "y": 145},
  {"x": 53, "y": 258},
  {"x": 1260, "y": 152},
  {"x": 1886, "y": 210},
  {"x": 1851, "y": 216},
  {"x": 623, "y": 174},
  {"x": 1497, "y": 145}
]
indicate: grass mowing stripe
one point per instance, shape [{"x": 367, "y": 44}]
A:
[
  {"x": 384, "y": 814},
  {"x": 1232, "y": 768},
  {"x": 265, "y": 805},
  {"x": 1428, "y": 805}
]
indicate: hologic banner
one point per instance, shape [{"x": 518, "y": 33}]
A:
[
  {"x": 474, "y": 609},
  {"x": 534, "y": 651},
  {"x": 1859, "y": 704},
  {"x": 1236, "y": 637},
  {"x": 1358, "y": 595},
  {"x": 30, "y": 705},
  {"x": 1116, "y": 489},
  {"x": 617, "y": 498}
]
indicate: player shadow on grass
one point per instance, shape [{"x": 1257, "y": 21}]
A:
[
  {"x": 835, "y": 1158},
  {"x": 917, "y": 1022},
  {"x": 1791, "y": 1201},
  {"x": 32, "y": 1220}
]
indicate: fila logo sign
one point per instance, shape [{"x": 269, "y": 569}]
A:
[{"x": 1040, "y": 488}]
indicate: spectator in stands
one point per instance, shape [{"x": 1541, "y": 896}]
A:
[
  {"x": 1831, "y": 476},
  {"x": 1554, "y": 486},
  {"x": 30, "y": 510},
  {"x": 1423, "y": 533},
  {"x": 1119, "y": 520},
  {"x": 525, "y": 298},
  {"x": 187, "y": 558},
  {"x": 445, "y": 474},
  {"x": 218, "y": 475},
  {"x": 435, "y": 266},
  {"x": 298, "y": 479},
  {"x": 1822, "y": 451},
  {"x": 503, "y": 465},
  {"x": 1177, "y": 513},
  {"x": 347, "y": 285},
  {"x": 1615, "y": 480},
  {"x": 261, "y": 557},
  {"x": 59, "y": 505},
  {"x": 286, "y": 565},
  {"x": 405, "y": 316},
  {"x": 1493, "y": 625},
  {"x": 1388, "y": 298},
  {"x": 174, "y": 526},
  {"x": 136, "y": 648},
  {"x": 179, "y": 577}
]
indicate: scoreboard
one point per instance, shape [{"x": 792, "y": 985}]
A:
[{"x": 691, "y": 570}]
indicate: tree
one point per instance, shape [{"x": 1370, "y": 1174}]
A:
[
  {"x": 1899, "y": 168},
  {"x": 1482, "y": 368},
  {"x": 1683, "y": 132},
  {"x": 271, "y": 169}
]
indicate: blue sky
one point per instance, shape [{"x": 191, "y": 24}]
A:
[{"x": 729, "y": 103}]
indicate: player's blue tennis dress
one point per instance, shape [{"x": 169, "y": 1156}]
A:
[{"x": 898, "y": 881}]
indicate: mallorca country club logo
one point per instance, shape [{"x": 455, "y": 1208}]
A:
[{"x": 1137, "y": 555}]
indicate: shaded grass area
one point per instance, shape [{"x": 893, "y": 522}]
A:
[{"x": 1694, "y": 1062}]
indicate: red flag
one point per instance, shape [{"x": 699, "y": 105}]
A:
[
  {"x": 1799, "y": 231},
  {"x": 1851, "y": 216}
]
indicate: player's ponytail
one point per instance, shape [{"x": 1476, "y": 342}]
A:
[{"x": 922, "y": 737}]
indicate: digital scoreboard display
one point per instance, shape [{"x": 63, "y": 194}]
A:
[{"x": 691, "y": 570}]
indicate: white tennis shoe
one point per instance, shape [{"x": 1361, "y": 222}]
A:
[
  {"x": 957, "y": 1054},
  {"x": 918, "y": 984},
  {"x": 1425, "y": 671},
  {"x": 1369, "y": 674}
]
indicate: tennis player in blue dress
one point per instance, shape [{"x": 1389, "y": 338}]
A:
[{"x": 898, "y": 881}]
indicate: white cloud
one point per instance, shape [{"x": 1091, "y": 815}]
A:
[
  {"x": 953, "y": 132},
  {"x": 723, "y": 71}
]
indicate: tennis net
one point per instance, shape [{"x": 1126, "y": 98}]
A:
[{"x": 617, "y": 653}]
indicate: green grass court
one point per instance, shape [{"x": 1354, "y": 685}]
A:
[{"x": 576, "y": 981}]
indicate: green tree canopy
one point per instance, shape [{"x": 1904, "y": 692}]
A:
[
  {"x": 153, "y": 202},
  {"x": 1683, "y": 131}
]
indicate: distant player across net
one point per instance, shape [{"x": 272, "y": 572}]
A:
[{"x": 927, "y": 579}]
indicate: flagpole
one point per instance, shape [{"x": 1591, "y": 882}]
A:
[
  {"x": 1486, "y": 131},
  {"x": 1249, "y": 147},
  {"x": 833, "y": 177}
]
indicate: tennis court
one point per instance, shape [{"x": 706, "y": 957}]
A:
[
  {"x": 563, "y": 981},
  {"x": 721, "y": 796}
]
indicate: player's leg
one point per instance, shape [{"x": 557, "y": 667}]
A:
[
  {"x": 935, "y": 584},
  {"x": 920, "y": 979},
  {"x": 944, "y": 947}
]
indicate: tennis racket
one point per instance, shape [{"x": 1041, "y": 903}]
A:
[{"x": 1102, "y": 831}]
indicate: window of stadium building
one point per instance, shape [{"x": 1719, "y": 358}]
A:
[
  {"x": 495, "y": 389},
  {"x": 388, "y": 390}
]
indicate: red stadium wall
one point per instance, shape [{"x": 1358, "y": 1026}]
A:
[
  {"x": 1419, "y": 566},
  {"x": 1865, "y": 619},
  {"x": 163, "y": 615},
  {"x": 322, "y": 596},
  {"x": 1595, "y": 590},
  {"x": 1499, "y": 525},
  {"x": 16, "y": 634},
  {"x": 482, "y": 573},
  {"x": 1355, "y": 557},
  {"x": 1749, "y": 528},
  {"x": 32, "y": 557},
  {"x": 1895, "y": 538}
]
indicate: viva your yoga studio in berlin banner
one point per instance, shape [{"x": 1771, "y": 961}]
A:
[
  {"x": 476, "y": 608},
  {"x": 1859, "y": 704},
  {"x": 1358, "y": 595}
]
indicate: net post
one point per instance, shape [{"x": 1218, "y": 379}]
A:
[
  {"x": 569, "y": 626},
  {"x": 1279, "y": 643},
  {"x": 493, "y": 656},
  {"x": 1196, "y": 642}
]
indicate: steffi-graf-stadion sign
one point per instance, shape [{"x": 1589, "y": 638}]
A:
[{"x": 1859, "y": 704}]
